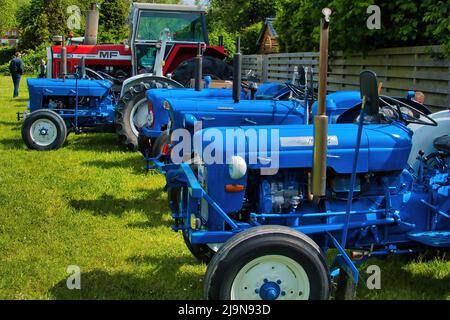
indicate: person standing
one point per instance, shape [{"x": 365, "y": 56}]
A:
[
  {"x": 42, "y": 69},
  {"x": 17, "y": 69}
]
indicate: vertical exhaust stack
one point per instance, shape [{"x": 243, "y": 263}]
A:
[
  {"x": 63, "y": 65},
  {"x": 198, "y": 69},
  {"x": 321, "y": 119},
  {"x": 92, "y": 19},
  {"x": 237, "y": 72}
]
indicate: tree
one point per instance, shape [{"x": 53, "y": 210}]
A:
[
  {"x": 8, "y": 19},
  {"x": 40, "y": 20},
  {"x": 234, "y": 17},
  {"x": 403, "y": 23},
  {"x": 113, "y": 21}
]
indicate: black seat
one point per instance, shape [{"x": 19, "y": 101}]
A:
[{"x": 442, "y": 143}]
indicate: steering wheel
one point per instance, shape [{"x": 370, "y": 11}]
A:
[{"x": 406, "y": 113}]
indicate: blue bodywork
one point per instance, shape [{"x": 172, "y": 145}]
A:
[
  {"x": 392, "y": 210},
  {"x": 339, "y": 102},
  {"x": 157, "y": 97},
  {"x": 96, "y": 104}
]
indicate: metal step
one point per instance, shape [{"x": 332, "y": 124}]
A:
[{"x": 438, "y": 239}]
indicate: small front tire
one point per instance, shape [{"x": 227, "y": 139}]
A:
[
  {"x": 268, "y": 263},
  {"x": 44, "y": 130},
  {"x": 161, "y": 144}
]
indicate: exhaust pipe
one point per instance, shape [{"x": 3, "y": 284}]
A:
[
  {"x": 321, "y": 119},
  {"x": 237, "y": 72},
  {"x": 92, "y": 19},
  {"x": 83, "y": 68},
  {"x": 63, "y": 65},
  {"x": 198, "y": 68}
]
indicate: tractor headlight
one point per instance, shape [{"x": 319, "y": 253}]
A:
[
  {"x": 151, "y": 117},
  {"x": 237, "y": 167}
]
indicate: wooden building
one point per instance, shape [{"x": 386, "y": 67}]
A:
[{"x": 268, "y": 38}]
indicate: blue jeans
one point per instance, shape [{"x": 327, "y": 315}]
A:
[{"x": 16, "y": 80}]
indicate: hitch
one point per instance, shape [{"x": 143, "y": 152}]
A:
[{"x": 22, "y": 115}]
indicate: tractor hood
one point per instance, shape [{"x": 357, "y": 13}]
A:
[
  {"x": 156, "y": 98},
  {"x": 339, "y": 102},
  {"x": 158, "y": 95},
  {"x": 383, "y": 147},
  {"x": 38, "y": 88},
  {"x": 224, "y": 112}
]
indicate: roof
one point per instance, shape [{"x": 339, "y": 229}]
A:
[
  {"x": 268, "y": 23},
  {"x": 169, "y": 7}
]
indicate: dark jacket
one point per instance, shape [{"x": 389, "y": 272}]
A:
[
  {"x": 42, "y": 71},
  {"x": 16, "y": 66}
]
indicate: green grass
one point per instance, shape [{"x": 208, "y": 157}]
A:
[{"x": 90, "y": 204}]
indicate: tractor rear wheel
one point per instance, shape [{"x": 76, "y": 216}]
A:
[
  {"x": 268, "y": 263},
  {"x": 132, "y": 112},
  {"x": 216, "y": 68},
  {"x": 44, "y": 130}
]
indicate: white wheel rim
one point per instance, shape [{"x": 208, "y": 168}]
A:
[
  {"x": 273, "y": 277},
  {"x": 43, "y": 132},
  {"x": 139, "y": 116}
]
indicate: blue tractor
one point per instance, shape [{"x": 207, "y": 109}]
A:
[
  {"x": 265, "y": 229},
  {"x": 153, "y": 137},
  {"x": 60, "y": 106}
]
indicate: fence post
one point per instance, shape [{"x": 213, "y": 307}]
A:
[{"x": 265, "y": 68}]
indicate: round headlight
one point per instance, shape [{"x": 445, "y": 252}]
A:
[{"x": 237, "y": 167}]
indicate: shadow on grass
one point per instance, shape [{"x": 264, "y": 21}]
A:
[
  {"x": 12, "y": 144},
  {"x": 160, "y": 280},
  {"x": 401, "y": 284},
  {"x": 100, "y": 142},
  {"x": 152, "y": 203},
  {"x": 137, "y": 164},
  {"x": 15, "y": 124}
]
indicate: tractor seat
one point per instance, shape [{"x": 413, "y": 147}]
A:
[{"x": 442, "y": 143}]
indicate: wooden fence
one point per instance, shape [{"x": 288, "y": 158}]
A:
[{"x": 400, "y": 70}]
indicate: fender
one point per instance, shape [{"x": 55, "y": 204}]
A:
[{"x": 146, "y": 77}]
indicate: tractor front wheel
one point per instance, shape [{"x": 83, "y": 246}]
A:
[
  {"x": 346, "y": 288},
  {"x": 268, "y": 263},
  {"x": 202, "y": 252},
  {"x": 145, "y": 146},
  {"x": 161, "y": 145},
  {"x": 44, "y": 130}
]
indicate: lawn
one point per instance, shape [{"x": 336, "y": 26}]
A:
[{"x": 91, "y": 204}]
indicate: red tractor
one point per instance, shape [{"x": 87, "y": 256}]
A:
[{"x": 160, "y": 53}]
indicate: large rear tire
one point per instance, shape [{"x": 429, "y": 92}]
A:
[
  {"x": 44, "y": 130},
  {"x": 132, "y": 112},
  {"x": 268, "y": 262},
  {"x": 216, "y": 68}
]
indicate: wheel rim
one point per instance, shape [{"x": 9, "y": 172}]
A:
[
  {"x": 139, "y": 116},
  {"x": 271, "y": 277},
  {"x": 43, "y": 132}
]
